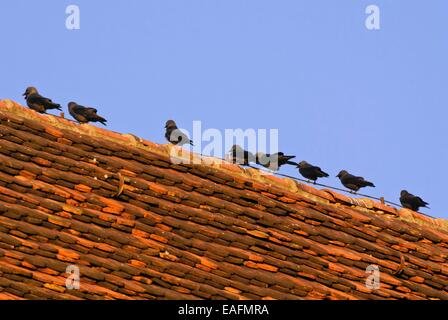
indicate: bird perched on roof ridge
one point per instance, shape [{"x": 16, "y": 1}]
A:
[
  {"x": 39, "y": 103},
  {"x": 409, "y": 201},
  {"x": 274, "y": 161},
  {"x": 240, "y": 156},
  {"x": 174, "y": 135},
  {"x": 311, "y": 172},
  {"x": 354, "y": 183},
  {"x": 85, "y": 115}
]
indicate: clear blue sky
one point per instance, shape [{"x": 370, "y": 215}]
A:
[{"x": 343, "y": 97}]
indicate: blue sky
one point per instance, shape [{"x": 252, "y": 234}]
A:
[{"x": 343, "y": 97}]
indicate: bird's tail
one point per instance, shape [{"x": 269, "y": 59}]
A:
[
  {"x": 324, "y": 173},
  {"x": 102, "y": 121},
  {"x": 369, "y": 184},
  {"x": 56, "y": 106}
]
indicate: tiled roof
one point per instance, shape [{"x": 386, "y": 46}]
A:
[{"x": 140, "y": 227}]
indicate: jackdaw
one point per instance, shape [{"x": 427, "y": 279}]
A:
[
  {"x": 274, "y": 161},
  {"x": 85, "y": 115},
  {"x": 311, "y": 172},
  {"x": 38, "y": 103},
  {"x": 412, "y": 202},
  {"x": 353, "y": 182},
  {"x": 174, "y": 135}
]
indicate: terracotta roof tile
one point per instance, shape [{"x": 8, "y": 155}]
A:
[{"x": 141, "y": 227}]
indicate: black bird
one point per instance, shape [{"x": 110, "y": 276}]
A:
[
  {"x": 353, "y": 182},
  {"x": 274, "y": 161},
  {"x": 311, "y": 172},
  {"x": 85, "y": 115},
  {"x": 412, "y": 202},
  {"x": 174, "y": 135},
  {"x": 240, "y": 156},
  {"x": 38, "y": 103}
]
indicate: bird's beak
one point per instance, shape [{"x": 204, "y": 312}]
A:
[{"x": 24, "y": 94}]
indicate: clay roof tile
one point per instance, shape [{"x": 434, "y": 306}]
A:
[{"x": 142, "y": 227}]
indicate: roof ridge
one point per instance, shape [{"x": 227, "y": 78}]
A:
[{"x": 288, "y": 185}]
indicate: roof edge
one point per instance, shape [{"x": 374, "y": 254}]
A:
[{"x": 288, "y": 185}]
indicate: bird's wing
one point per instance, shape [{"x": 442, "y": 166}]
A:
[
  {"x": 306, "y": 170},
  {"x": 37, "y": 98},
  {"x": 79, "y": 109},
  {"x": 407, "y": 198},
  {"x": 184, "y": 136},
  {"x": 349, "y": 178},
  {"x": 359, "y": 181},
  {"x": 178, "y": 135},
  {"x": 90, "y": 111},
  {"x": 422, "y": 201},
  {"x": 321, "y": 171}
]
